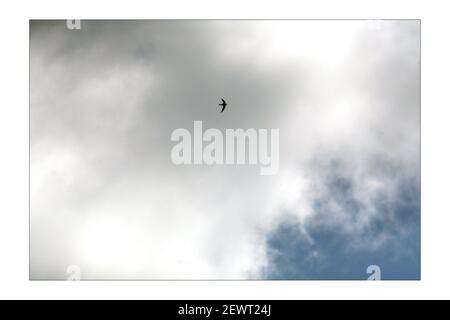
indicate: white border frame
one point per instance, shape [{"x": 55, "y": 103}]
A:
[{"x": 435, "y": 213}]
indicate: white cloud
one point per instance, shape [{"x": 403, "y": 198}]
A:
[{"x": 104, "y": 100}]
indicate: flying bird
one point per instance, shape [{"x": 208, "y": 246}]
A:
[{"x": 223, "y": 104}]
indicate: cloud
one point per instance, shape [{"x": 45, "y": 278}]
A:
[{"x": 105, "y": 99}]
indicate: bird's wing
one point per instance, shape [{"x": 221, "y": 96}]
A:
[{"x": 223, "y": 102}]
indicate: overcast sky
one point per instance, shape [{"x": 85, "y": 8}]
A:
[{"x": 106, "y": 197}]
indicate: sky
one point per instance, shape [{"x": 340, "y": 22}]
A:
[{"x": 106, "y": 197}]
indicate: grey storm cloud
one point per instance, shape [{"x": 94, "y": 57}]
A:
[{"x": 105, "y": 99}]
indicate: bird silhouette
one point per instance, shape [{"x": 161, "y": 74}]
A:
[{"x": 223, "y": 104}]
